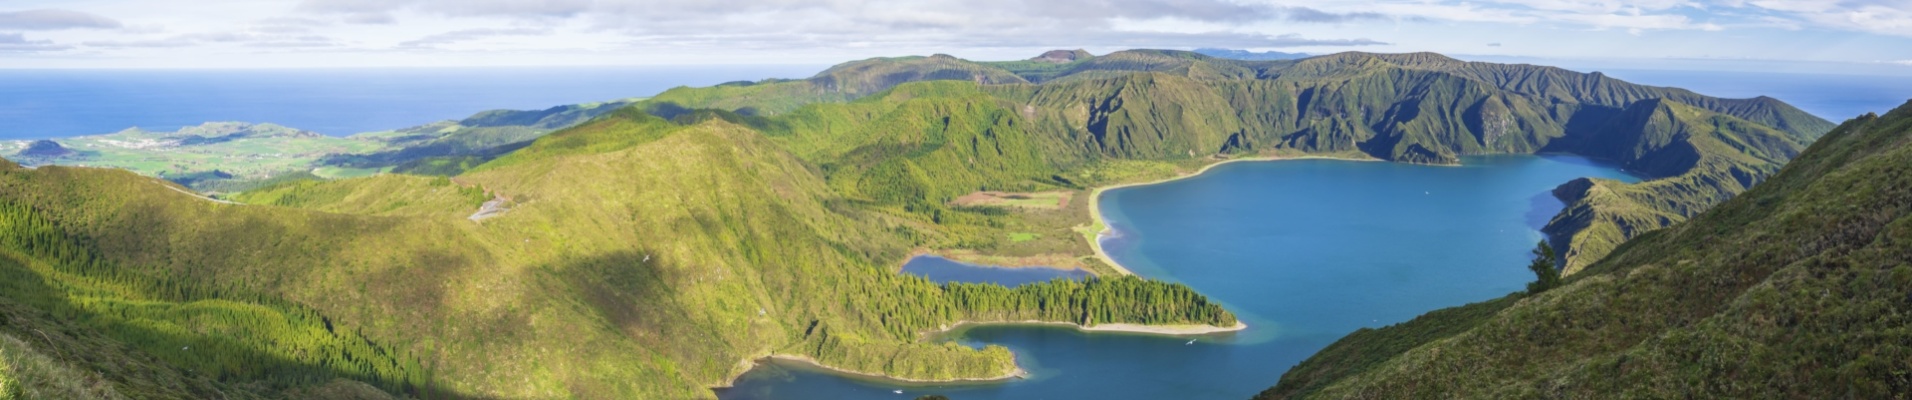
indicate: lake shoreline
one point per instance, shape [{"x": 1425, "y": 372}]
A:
[
  {"x": 1014, "y": 374},
  {"x": 1164, "y": 330},
  {"x": 1095, "y": 199},
  {"x": 981, "y": 260},
  {"x": 1017, "y": 372}
]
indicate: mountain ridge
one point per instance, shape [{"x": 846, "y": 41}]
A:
[
  {"x": 696, "y": 230},
  {"x": 1793, "y": 289}
]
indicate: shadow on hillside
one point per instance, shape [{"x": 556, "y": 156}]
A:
[
  {"x": 141, "y": 359},
  {"x": 634, "y": 293}
]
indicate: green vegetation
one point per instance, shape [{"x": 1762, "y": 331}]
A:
[
  {"x": 377, "y": 195},
  {"x": 1699, "y": 158},
  {"x": 653, "y": 247},
  {"x": 27, "y": 374},
  {"x": 655, "y": 253},
  {"x": 1545, "y": 267},
  {"x": 1795, "y": 289},
  {"x": 1123, "y": 299},
  {"x": 216, "y": 331},
  {"x": 1152, "y": 113},
  {"x": 205, "y": 154}
]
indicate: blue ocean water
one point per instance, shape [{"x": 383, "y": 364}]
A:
[
  {"x": 60, "y": 103},
  {"x": 1304, "y": 251},
  {"x": 1835, "y": 97},
  {"x": 943, "y": 270}
]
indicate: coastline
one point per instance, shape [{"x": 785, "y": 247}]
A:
[
  {"x": 1095, "y": 200},
  {"x": 1017, "y": 373},
  {"x": 1164, "y": 330}
]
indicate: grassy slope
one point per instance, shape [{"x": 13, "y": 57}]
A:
[
  {"x": 1796, "y": 288},
  {"x": 1696, "y": 159},
  {"x": 1411, "y": 107},
  {"x": 685, "y": 244},
  {"x": 653, "y": 255},
  {"x": 1428, "y": 108}
]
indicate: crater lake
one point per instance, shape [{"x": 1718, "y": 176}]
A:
[{"x": 1303, "y": 251}]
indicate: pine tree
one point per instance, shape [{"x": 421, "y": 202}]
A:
[{"x": 1546, "y": 274}]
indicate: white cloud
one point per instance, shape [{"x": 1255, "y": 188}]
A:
[
  {"x": 18, "y": 43},
  {"x": 454, "y": 32},
  {"x": 436, "y": 40},
  {"x": 54, "y": 19},
  {"x": 239, "y": 38},
  {"x": 1888, "y": 17}
]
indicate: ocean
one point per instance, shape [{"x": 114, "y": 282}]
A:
[
  {"x": 1835, "y": 97},
  {"x": 36, "y": 104},
  {"x": 60, "y": 103}
]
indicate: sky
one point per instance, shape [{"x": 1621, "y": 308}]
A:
[{"x": 1864, "y": 35}]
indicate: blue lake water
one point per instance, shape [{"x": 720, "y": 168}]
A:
[
  {"x": 1303, "y": 251},
  {"x": 60, "y": 103},
  {"x": 943, "y": 270}
]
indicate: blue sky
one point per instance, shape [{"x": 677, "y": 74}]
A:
[{"x": 1868, "y": 35}]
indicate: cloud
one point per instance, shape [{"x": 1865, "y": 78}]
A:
[
  {"x": 1294, "y": 40},
  {"x": 384, "y": 11},
  {"x": 353, "y": 11},
  {"x": 437, "y": 40},
  {"x": 1494, "y": 44},
  {"x": 1888, "y": 17},
  {"x": 18, "y": 43},
  {"x": 1305, "y": 14},
  {"x": 54, "y": 19},
  {"x": 287, "y": 25},
  {"x": 240, "y": 38}
]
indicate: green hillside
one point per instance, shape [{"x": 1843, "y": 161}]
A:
[
  {"x": 652, "y": 250},
  {"x": 656, "y": 257},
  {"x": 1185, "y": 109},
  {"x": 1794, "y": 289}
]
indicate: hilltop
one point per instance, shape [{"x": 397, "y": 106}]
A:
[
  {"x": 1795, "y": 288},
  {"x": 44, "y": 149}
]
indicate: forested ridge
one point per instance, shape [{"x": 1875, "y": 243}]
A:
[
  {"x": 656, "y": 248},
  {"x": 1797, "y": 288},
  {"x": 714, "y": 247},
  {"x": 936, "y": 133}
]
